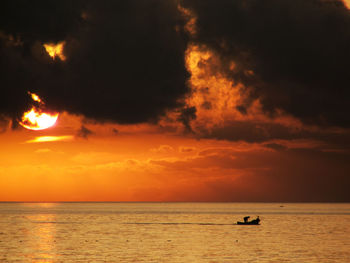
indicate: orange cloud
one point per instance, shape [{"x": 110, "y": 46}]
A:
[
  {"x": 124, "y": 168},
  {"x": 55, "y": 50}
]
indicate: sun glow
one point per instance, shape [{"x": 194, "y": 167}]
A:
[
  {"x": 36, "y": 118},
  {"x": 55, "y": 50}
]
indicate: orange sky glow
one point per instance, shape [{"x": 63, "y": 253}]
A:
[
  {"x": 145, "y": 163},
  {"x": 222, "y": 152}
]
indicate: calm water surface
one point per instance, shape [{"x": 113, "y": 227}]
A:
[{"x": 173, "y": 232}]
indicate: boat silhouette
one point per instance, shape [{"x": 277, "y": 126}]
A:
[{"x": 255, "y": 221}]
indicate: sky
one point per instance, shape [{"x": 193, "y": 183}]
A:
[{"x": 176, "y": 100}]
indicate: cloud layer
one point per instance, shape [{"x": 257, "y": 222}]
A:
[
  {"x": 293, "y": 54},
  {"x": 126, "y": 62},
  {"x": 125, "y": 59}
]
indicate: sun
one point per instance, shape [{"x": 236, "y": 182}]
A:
[{"x": 36, "y": 118}]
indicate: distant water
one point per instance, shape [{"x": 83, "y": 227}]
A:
[{"x": 173, "y": 232}]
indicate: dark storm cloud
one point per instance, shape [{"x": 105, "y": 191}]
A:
[
  {"x": 40, "y": 20},
  {"x": 251, "y": 131},
  {"x": 187, "y": 115},
  {"x": 84, "y": 132},
  {"x": 264, "y": 132},
  {"x": 125, "y": 59},
  {"x": 298, "y": 51},
  {"x": 4, "y": 123}
]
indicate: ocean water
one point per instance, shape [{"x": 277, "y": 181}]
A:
[{"x": 173, "y": 232}]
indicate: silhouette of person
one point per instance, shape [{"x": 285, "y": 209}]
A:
[{"x": 246, "y": 219}]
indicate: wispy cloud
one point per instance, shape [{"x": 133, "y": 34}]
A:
[{"x": 51, "y": 139}]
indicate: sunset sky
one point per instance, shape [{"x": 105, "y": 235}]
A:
[{"x": 175, "y": 100}]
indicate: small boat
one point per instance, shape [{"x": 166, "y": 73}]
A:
[{"x": 251, "y": 222}]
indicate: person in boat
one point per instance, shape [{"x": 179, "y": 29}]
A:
[
  {"x": 246, "y": 219},
  {"x": 255, "y": 221}
]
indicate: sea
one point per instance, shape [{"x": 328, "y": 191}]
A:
[{"x": 174, "y": 232}]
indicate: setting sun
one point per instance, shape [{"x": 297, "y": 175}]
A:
[{"x": 36, "y": 118}]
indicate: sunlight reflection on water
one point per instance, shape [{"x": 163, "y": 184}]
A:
[{"x": 173, "y": 232}]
